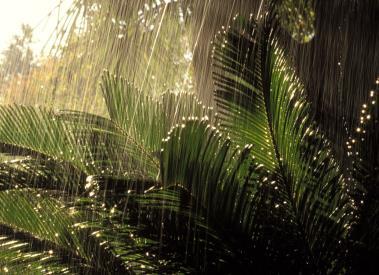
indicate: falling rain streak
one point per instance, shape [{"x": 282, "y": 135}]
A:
[{"x": 185, "y": 136}]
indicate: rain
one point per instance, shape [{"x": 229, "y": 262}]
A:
[{"x": 190, "y": 136}]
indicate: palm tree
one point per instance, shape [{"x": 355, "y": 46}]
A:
[
  {"x": 77, "y": 166},
  {"x": 164, "y": 184}
]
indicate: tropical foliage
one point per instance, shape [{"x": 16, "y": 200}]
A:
[{"x": 161, "y": 183}]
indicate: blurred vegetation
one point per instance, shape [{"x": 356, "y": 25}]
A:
[{"x": 90, "y": 39}]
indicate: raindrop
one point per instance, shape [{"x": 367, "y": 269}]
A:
[{"x": 188, "y": 56}]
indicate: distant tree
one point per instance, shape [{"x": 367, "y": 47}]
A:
[{"x": 18, "y": 57}]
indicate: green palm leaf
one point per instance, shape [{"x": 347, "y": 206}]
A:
[
  {"x": 51, "y": 222},
  {"x": 26, "y": 210},
  {"x": 16, "y": 257},
  {"x": 66, "y": 146},
  {"x": 116, "y": 152},
  {"x": 145, "y": 117},
  {"x": 262, "y": 102},
  {"x": 126, "y": 144},
  {"x": 41, "y": 132},
  {"x": 209, "y": 185}
]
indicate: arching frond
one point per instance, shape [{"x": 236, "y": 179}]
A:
[
  {"x": 17, "y": 257},
  {"x": 208, "y": 185},
  {"x": 43, "y": 134},
  {"x": 261, "y": 101},
  {"x": 145, "y": 117}
]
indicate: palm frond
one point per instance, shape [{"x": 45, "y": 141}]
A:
[
  {"x": 126, "y": 144},
  {"x": 16, "y": 256},
  {"x": 74, "y": 230},
  {"x": 116, "y": 152},
  {"x": 87, "y": 144},
  {"x": 40, "y": 173},
  {"x": 262, "y": 102},
  {"x": 144, "y": 117},
  {"x": 122, "y": 230},
  {"x": 31, "y": 212},
  {"x": 208, "y": 185},
  {"x": 41, "y": 132}
]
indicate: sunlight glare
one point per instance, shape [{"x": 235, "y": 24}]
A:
[{"x": 41, "y": 15}]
